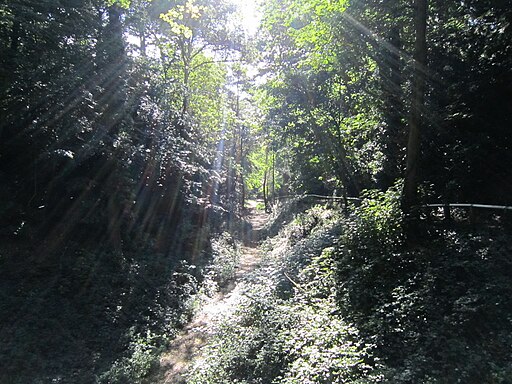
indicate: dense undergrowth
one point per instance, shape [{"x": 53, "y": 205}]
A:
[
  {"x": 439, "y": 311},
  {"x": 339, "y": 298},
  {"x": 344, "y": 299},
  {"x": 88, "y": 315},
  {"x": 287, "y": 327}
]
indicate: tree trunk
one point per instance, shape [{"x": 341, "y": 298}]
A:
[
  {"x": 242, "y": 168},
  {"x": 265, "y": 182},
  {"x": 186, "y": 79},
  {"x": 142, "y": 37},
  {"x": 391, "y": 78},
  {"x": 410, "y": 192},
  {"x": 186, "y": 60},
  {"x": 273, "y": 176}
]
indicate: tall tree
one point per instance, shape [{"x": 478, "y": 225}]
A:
[
  {"x": 194, "y": 28},
  {"x": 410, "y": 193}
]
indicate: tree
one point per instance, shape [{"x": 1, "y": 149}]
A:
[
  {"x": 321, "y": 92},
  {"x": 194, "y": 28},
  {"x": 102, "y": 196},
  {"x": 415, "y": 120}
]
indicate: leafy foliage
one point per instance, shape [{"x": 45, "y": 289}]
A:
[
  {"x": 105, "y": 186},
  {"x": 377, "y": 222},
  {"x": 281, "y": 334},
  {"x": 339, "y": 95},
  {"x": 225, "y": 259},
  {"x": 429, "y": 310},
  {"x": 127, "y": 141}
]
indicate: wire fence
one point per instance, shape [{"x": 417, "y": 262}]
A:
[
  {"x": 319, "y": 197},
  {"x": 439, "y": 205}
]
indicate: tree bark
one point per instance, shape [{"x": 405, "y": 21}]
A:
[
  {"x": 142, "y": 37},
  {"x": 265, "y": 182},
  {"x": 242, "y": 167},
  {"x": 410, "y": 191},
  {"x": 391, "y": 78},
  {"x": 273, "y": 175}
]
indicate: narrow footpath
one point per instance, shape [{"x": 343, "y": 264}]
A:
[{"x": 187, "y": 346}]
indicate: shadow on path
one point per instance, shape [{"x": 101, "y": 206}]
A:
[{"x": 187, "y": 345}]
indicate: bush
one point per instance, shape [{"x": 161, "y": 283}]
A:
[
  {"x": 142, "y": 359},
  {"x": 377, "y": 222},
  {"x": 437, "y": 314},
  {"x": 245, "y": 347},
  {"x": 322, "y": 348},
  {"x": 270, "y": 340},
  {"x": 225, "y": 259}
]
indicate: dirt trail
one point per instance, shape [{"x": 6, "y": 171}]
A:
[{"x": 187, "y": 345}]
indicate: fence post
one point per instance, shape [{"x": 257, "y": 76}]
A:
[{"x": 446, "y": 211}]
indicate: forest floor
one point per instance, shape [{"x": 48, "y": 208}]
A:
[{"x": 186, "y": 348}]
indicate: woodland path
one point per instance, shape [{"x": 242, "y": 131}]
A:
[{"x": 187, "y": 345}]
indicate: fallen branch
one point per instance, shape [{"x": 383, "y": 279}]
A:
[{"x": 296, "y": 285}]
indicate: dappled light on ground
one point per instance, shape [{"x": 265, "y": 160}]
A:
[{"x": 186, "y": 348}]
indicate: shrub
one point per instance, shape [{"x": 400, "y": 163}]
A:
[
  {"x": 142, "y": 359},
  {"x": 245, "y": 346},
  {"x": 437, "y": 314},
  {"x": 225, "y": 259},
  {"x": 377, "y": 222},
  {"x": 321, "y": 347}
]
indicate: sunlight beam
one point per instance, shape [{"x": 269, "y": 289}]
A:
[{"x": 248, "y": 15}]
